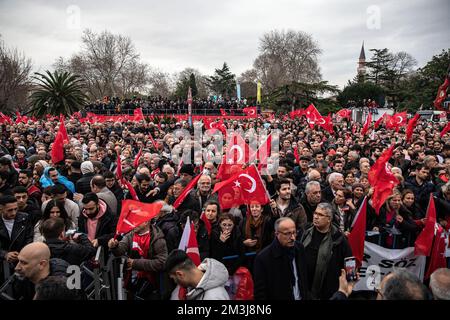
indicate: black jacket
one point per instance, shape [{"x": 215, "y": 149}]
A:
[
  {"x": 106, "y": 227},
  {"x": 22, "y": 234},
  {"x": 73, "y": 253},
  {"x": 331, "y": 264},
  {"x": 169, "y": 226},
  {"x": 309, "y": 209},
  {"x": 421, "y": 192},
  {"x": 34, "y": 212},
  {"x": 273, "y": 273},
  {"x": 327, "y": 194},
  {"x": 232, "y": 247},
  {"x": 83, "y": 185}
]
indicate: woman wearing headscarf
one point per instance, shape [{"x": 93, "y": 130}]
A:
[{"x": 47, "y": 181}]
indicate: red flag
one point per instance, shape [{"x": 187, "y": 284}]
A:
[
  {"x": 367, "y": 124},
  {"x": 155, "y": 144},
  {"x": 411, "y": 125},
  {"x": 382, "y": 180},
  {"x": 437, "y": 259},
  {"x": 378, "y": 122},
  {"x": 397, "y": 120},
  {"x": 312, "y": 115},
  {"x": 446, "y": 129},
  {"x": 250, "y": 111},
  {"x": 138, "y": 157},
  {"x": 358, "y": 234},
  {"x": 345, "y": 113},
  {"x": 119, "y": 166},
  {"x": 263, "y": 151},
  {"x": 134, "y": 213},
  {"x": 297, "y": 113},
  {"x": 222, "y": 112},
  {"x": 63, "y": 130},
  {"x": 219, "y": 125},
  {"x": 424, "y": 240},
  {"x": 18, "y": 117},
  {"x": 58, "y": 148},
  {"x": 138, "y": 114},
  {"x": 326, "y": 123},
  {"x": 296, "y": 155},
  {"x": 226, "y": 170},
  {"x": 206, "y": 222},
  {"x": 442, "y": 93},
  {"x": 246, "y": 187},
  {"x": 130, "y": 189},
  {"x": 191, "y": 185}
]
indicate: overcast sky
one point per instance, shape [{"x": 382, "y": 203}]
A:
[{"x": 174, "y": 34}]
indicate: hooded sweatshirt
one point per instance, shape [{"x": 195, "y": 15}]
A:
[
  {"x": 91, "y": 224},
  {"x": 211, "y": 286}
]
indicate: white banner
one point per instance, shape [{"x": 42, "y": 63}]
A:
[{"x": 379, "y": 261}]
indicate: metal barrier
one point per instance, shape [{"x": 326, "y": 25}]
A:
[
  {"x": 6, "y": 289},
  {"x": 169, "y": 112}
]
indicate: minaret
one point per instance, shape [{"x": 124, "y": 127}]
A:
[{"x": 361, "y": 70}]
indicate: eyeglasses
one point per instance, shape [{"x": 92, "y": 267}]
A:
[
  {"x": 320, "y": 214},
  {"x": 289, "y": 233}
]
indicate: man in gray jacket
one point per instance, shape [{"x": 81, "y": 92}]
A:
[
  {"x": 205, "y": 282},
  {"x": 98, "y": 186}
]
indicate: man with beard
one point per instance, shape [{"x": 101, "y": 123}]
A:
[
  {"x": 26, "y": 180},
  {"x": 286, "y": 206},
  {"x": 96, "y": 220}
]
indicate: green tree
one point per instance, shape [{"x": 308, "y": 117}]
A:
[
  {"x": 193, "y": 85},
  {"x": 379, "y": 65},
  {"x": 223, "y": 81},
  {"x": 358, "y": 91},
  {"x": 57, "y": 93}
]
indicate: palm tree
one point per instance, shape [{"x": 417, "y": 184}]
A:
[{"x": 57, "y": 93}]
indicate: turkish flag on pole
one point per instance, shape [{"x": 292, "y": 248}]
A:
[
  {"x": 312, "y": 115},
  {"x": 382, "y": 180},
  {"x": 250, "y": 111},
  {"x": 344, "y": 113},
  {"x": 326, "y": 123},
  {"x": 424, "y": 241},
  {"x": 411, "y": 125},
  {"x": 367, "y": 124},
  {"x": 358, "y": 234},
  {"x": 134, "y": 213},
  {"x": 446, "y": 129},
  {"x": 397, "y": 120},
  {"x": 244, "y": 187},
  {"x": 138, "y": 157},
  {"x": 442, "y": 93},
  {"x": 437, "y": 259},
  {"x": 186, "y": 191},
  {"x": 58, "y": 148}
]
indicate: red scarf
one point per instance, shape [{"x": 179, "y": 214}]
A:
[{"x": 141, "y": 244}]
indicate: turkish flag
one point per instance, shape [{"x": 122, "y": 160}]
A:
[
  {"x": 326, "y": 123},
  {"x": 57, "y": 153},
  {"x": 446, "y": 129},
  {"x": 134, "y": 213},
  {"x": 397, "y": 120},
  {"x": 250, "y": 111},
  {"x": 238, "y": 151},
  {"x": 411, "y": 125},
  {"x": 442, "y": 93},
  {"x": 367, "y": 124},
  {"x": 382, "y": 180},
  {"x": 437, "y": 259},
  {"x": 296, "y": 113},
  {"x": 263, "y": 151},
  {"x": 222, "y": 112},
  {"x": 424, "y": 241},
  {"x": 219, "y": 125},
  {"x": 312, "y": 115},
  {"x": 186, "y": 191},
  {"x": 138, "y": 157},
  {"x": 379, "y": 121},
  {"x": 62, "y": 128},
  {"x": 345, "y": 113},
  {"x": 242, "y": 188},
  {"x": 226, "y": 170},
  {"x": 358, "y": 234}
]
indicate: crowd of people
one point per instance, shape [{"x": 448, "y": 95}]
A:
[
  {"x": 57, "y": 214},
  {"x": 163, "y": 105}
]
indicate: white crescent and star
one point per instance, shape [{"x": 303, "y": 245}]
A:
[
  {"x": 253, "y": 187},
  {"x": 321, "y": 121},
  {"x": 401, "y": 119}
]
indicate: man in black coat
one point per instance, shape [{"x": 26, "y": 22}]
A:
[
  {"x": 74, "y": 252},
  {"x": 325, "y": 250},
  {"x": 83, "y": 185},
  {"x": 16, "y": 230},
  {"x": 280, "y": 269},
  {"x": 96, "y": 220},
  {"x": 27, "y": 204}
]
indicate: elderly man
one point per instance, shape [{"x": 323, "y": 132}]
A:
[
  {"x": 336, "y": 182},
  {"x": 401, "y": 284},
  {"x": 311, "y": 198},
  {"x": 326, "y": 248},
  {"x": 203, "y": 192},
  {"x": 440, "y": 284},
  {"x": 34, "y": 265},
  {"x": 98, "y": 186},
  {"x": 280, "y": 269}
]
